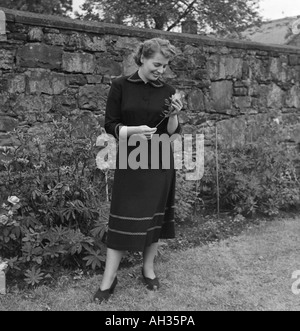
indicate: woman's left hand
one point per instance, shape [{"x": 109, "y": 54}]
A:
[{"x": 177, "y": 105}]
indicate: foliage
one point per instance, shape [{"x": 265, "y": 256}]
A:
[
  {"x": 256, "y": 177},
  {"x": 185, "y": 199},
  {"x": 51, "y": 7},
  {"x": 219, "y": 16},
  {"x": 54, "y": 201},
  {"x": 56, "y": 217}
]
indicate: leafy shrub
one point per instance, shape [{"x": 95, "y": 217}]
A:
[
  {"x": 186, "y": 196},
  {"x": 62, "y": 210},
  {"x": 257, "y": 177}
]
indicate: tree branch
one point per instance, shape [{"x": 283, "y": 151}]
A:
[{"x": 184, "y": 14}]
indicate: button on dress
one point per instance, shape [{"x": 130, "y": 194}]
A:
[{"x": 143, "y": 198}]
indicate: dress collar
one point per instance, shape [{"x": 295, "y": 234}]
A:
[{"x": 135, "y": 78}]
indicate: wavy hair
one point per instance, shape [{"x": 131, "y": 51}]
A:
[{"x": 152, "y": 46}]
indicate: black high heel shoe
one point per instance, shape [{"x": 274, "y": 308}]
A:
[
  {"x": 101, "y": 296},
  {"x": 151, "y": 284}
]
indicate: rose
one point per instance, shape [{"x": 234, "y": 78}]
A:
[
  {"x": 3, "y": 219},
  {"x": 4, "y": 206},
  {"x": 174, "y": 104},
  {"x": 176, "y": 96},
  {"x": 3, "y": 266},
  {"x": 13, "y": 200}
]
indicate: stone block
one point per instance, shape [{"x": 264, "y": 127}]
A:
[
  {"x": 4, "y": 97},
  {"x": 17, "y": 84},
  {"x": 262, "y": 96},
  {"x": 231, "y": 133},
  {"x": 196, "y": 100},
  {"x": 39, "y": 56},
  {"x": 93, "y": 97},
  {"x": 127, "y": 43},
  {"x": 191, "y": 58},
  {"x": 277, "y": 71},
  {"x": 236, "y": 132},
  {"x": 240, "y": 91},
  {"x": 108, "y": 66},
  {"x": 271, "y": 96},
  {"x": 168, "y": 74},
  {"x": 2, "y": 23},
  {"x": 94, "y": 44},
  {"x": 293, "y": 97},
  {"x": 51, "y": 30},
  {"x": 184, "y": 118},
  {"x": 275, "y": 97},
  {"x": 35, "y": 34},
  {"x": 78, "y": 62},
  {"x": 66, "y": 99},
  {"x": 254, "y": 90},
  {"x": 7, "y": 123},
  {"x": 107, "y": 79},
  {"x": 295, "y": 134},
  {"x": 293, "y": 74},
  {"x": 242, "y": 102},
  {"x": 58, "y": 82},
  {"x": 293, "y": 60},
  {"x": 256, "y": 126},
  {"x": 6, "y": 59},
  {"x": 7, "y": 140},
  {"x": 220, "y": 67},
  {"x": 245, "y": 71},
  {"x": 74, "y": 41},
  {"x": 38, "y": 81},
  {"x": 179, "y": 63},
  {"x": 32, "y": 108},
  {"x": 76, "y": 79},
  {"x": 200, "y": 74},
  {"x": 43, "y": 81},
  {"x": 259, "y": 70},
  {"x": 129, "y": 66},
  {"x": 197, "y": 60},
  {"x": 57, "y": 39},
  {"x": 221, "y": 95}
]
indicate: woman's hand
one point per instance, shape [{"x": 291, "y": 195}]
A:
[
  {"x": 143, "y": 131},
  {"x": 146, "y": 131},
  {"x": 177, "y": 105}
]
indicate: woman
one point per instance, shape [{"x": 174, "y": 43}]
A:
[{"x": 142, "y": 206}]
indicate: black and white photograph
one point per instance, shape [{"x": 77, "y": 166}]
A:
[{"x": 149, "y": 158}]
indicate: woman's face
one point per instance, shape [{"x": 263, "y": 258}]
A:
[{"x": 154, "y": 67}]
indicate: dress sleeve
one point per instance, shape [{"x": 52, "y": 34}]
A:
[{"x": 113, "y": 116}]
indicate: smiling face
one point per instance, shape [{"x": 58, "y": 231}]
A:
[{"x": 154, "y": 67}]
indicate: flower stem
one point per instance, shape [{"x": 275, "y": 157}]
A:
[{"x": 160, "y": 122}]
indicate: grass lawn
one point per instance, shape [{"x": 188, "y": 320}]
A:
[{"x": 251, "y": 271}]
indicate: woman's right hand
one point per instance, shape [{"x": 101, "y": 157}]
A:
[{"x": 146, "y": 131}]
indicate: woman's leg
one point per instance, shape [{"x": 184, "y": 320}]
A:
[
  {"x": 113, "y": 259},
  {"x": 148, "y": 264}
]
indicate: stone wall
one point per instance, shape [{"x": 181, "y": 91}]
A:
[{"x": 51, "y": 65}]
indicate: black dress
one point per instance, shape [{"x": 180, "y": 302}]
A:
[{"x": 142, "y": 206}]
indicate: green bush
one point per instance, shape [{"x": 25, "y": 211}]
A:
[
  {"x": 258, "y": 177},
  {"x": 55, "y": 201},
  {"x": 62, "y": 208},
  {"x": 63, "y": 201},
  {"x": 186, "y": 196}
]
